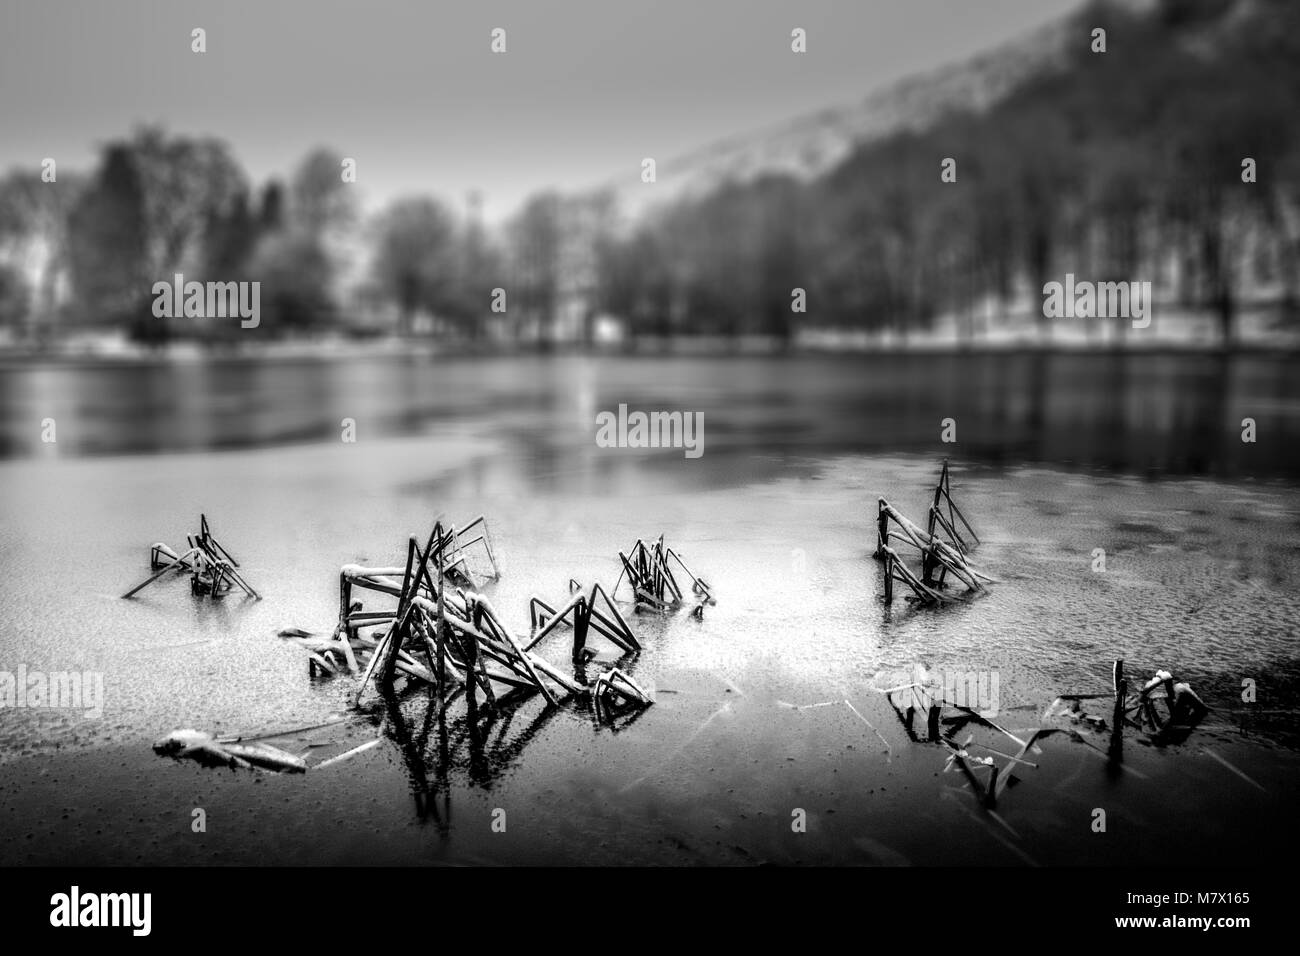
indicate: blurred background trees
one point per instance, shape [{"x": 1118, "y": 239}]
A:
[
  {"x": 1122, "y": 166},
  {"x": 416, "y": 263}
]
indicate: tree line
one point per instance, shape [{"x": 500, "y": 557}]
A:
[{"x": 1122, "y": 165}]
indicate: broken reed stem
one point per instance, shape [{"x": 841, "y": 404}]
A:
[
  {"x": 179, "y": 562},
  {"x": 212, "y": 567},
  {"x": 935, "y": 554},
  {"x": 462, "y": 636}
]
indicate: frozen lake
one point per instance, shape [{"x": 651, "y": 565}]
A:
[{"x": 767, "y": 705}]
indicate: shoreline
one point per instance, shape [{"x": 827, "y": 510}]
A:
[{"x": 676, "y": 350}]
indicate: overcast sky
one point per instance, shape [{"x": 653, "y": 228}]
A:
[{"x": 412, "y": 91}]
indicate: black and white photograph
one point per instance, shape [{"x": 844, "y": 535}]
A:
[{"x": 729, "y": 435}]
